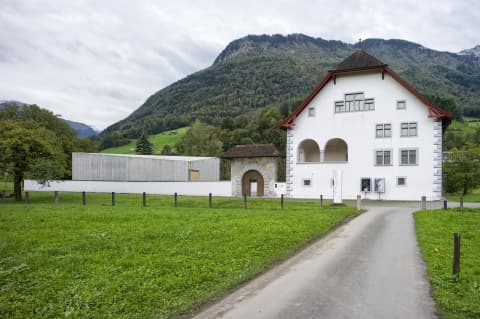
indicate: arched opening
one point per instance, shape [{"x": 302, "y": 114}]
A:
[
  {"x": 336, "y": 150},
  {"x": 252, "y": 184},
  {"x": 308, "y": 151}
]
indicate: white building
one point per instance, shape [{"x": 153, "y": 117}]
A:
[{"x": 365, "y": 131}]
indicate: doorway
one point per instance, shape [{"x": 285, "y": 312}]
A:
[{"x": 252, "y": 184}]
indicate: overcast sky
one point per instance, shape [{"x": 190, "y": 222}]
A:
[{"x": 97, "y": 61}]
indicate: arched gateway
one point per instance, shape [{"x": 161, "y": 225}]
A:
[
  {"x": 253, "y": 169},
  {"x": 253, "y": 184}
]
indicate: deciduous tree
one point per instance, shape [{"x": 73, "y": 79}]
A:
[
  {"x": 35, "y": 143},
  {"x": 462, "y": 170}
]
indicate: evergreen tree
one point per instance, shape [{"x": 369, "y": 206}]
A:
[{"x": 144, "y": 147}]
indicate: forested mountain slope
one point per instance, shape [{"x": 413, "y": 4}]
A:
[{"x": 258, "y": 71}]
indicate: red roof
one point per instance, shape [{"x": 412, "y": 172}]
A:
[{"x": 361, "y": 62}]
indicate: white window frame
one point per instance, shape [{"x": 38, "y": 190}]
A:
[
  {"x": 408, "y": 156},
  {"x": 411, "y": 127},
  {"x": 383, "y": 157},
  {"x": 404, "y": 181},
  {"x": 400, "y": 102},
  {"x": 383, "y": 130},
  {"x": 309, "y": 182},
  {"x": 358, "y": 103}
]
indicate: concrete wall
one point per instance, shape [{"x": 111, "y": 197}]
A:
[
  {"x": 163, "y": 188},
  {"x": 107, "y": 167},
  {"x": 357, "y": 129},
  {"x": 209, "y": 169},
  {"x": 266, "y": 166}
]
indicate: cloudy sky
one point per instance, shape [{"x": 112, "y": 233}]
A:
[{"x": 97, "y": 61}]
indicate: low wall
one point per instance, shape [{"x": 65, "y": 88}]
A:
[{"x": 223, "y": 188}]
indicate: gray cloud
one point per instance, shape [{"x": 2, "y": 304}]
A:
[{"x": 97, "y": 61}]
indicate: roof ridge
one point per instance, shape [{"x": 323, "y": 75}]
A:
[{"x": 358, "y": 60}]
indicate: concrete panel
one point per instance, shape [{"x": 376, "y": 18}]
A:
[{"x": 114, "y": 167}]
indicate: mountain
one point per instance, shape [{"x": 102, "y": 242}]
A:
[
  {"x": 257, "y": 71},
  {"x": 473, "y": 51},
  {"x": 83, "y": 130}
]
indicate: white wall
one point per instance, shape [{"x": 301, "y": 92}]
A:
[
  {"x": 163, "y": 188},
  {"x": 357, "y": 129}
]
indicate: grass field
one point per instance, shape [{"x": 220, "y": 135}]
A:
[
  {"x": 158, "y": 141},
  {"x": 99, "y": 261},
  {"x": 456, "y": 297},
  {"x": 472, "y": 197}
]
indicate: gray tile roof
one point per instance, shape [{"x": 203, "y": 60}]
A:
[
  {"x": 359, "y": 60},
  {"x": 252, "y": 150}
]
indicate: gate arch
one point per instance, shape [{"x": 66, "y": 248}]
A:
[{"x": 250, "y": 177}]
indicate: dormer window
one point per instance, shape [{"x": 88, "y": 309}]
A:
[{"x": 355, "y": 102}]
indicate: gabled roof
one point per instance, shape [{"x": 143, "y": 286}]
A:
[
  {"x": 360, "y": 61},
  {"x": 252, "y": 150}
]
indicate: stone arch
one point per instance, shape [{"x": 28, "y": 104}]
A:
[
  {"x": 252, "y": 167},
  {"x": 336, "y": 150},
  {"x": 248, "y": 179},
  {"x": 308, "y": 151}
]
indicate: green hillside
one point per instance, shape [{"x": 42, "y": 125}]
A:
[
  {"x": 158, "y": 140},
  {"x": 259, "y": 71}
]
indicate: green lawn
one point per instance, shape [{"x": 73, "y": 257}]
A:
[
  {"x": 455, "y": 297},
  {"x": 126, "y": 261},
  {"x": 158, "y": 140},
  {"x": 472, "y": 197}
]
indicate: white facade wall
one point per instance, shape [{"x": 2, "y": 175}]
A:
[{"x": 357, "y": 129}]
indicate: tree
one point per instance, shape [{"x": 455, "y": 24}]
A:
[
  {"x": 200, "y": 140},
  {"x": 35, "y": 143},
  {"x": 144, "y": 146},
  {"x": 25, "y": 146},
  {"x": 166, "y": 149},
  {"x": 462, "y": 170}
]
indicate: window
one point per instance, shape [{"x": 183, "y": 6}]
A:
[
  {"x": 379, "y": 185},
  {"x": 408, "y": 157},
  {"x": 383, "y": 158},
  {"x": 339, "y": 106},
  {"x": 354, "y": 102},
  {"x": 365, "y": 184},
  {"x": 307, "y": 182},
  {"x": 401, "y": 105},
  {"x": 311, "y": 112},
  {"x": 383, "y": 130},
  {"x": 401, "y": 181},
  {"x": 369, "y": 104},
  {"x": 408, "y": 129}
]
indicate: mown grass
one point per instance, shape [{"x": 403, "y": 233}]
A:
[
  {"x": 456, "y": 297},
  {"x": 158, "y": 141},
  {"x": 472, "y": 197},
  {"x": 99, "y": 261}
]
